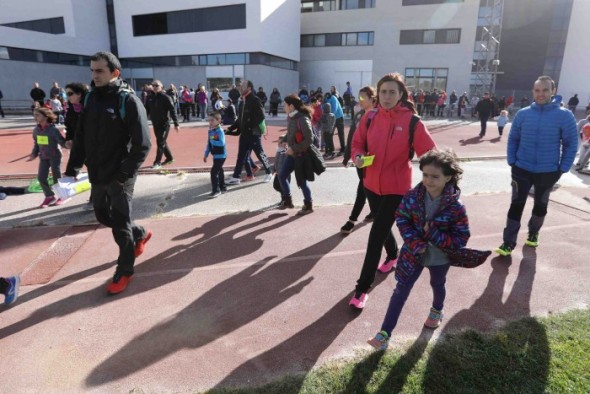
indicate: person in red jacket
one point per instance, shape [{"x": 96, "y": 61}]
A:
[{"x": 389, "y": 176}]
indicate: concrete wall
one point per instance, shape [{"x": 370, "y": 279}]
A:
[
  {"x": 386, "y": 55},
  {"x": 269, "y": 28},
  {"x": 17, "y": 78},
  {"x": 576, "y": 59},
  {"x": 85, "y": 25}
]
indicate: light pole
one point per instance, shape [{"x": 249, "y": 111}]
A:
[{"x": 495, "y": 63}]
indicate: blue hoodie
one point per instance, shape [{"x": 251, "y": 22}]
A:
[
  {"x": 216, "y": 144},
  {"x": 543, "y": 138}
]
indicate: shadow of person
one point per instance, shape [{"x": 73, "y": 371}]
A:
[
  {"x": 171, "y": 265},
  {"x": 495, "y": 140},
  {"x": 295, "y": 356},
  {"x": 517, "y": 347},
  {"x": 231, "y": 304},
  {"x": 471, "y": 141}
]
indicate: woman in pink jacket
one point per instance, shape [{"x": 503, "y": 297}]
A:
[{"x": 389, "y": 176}]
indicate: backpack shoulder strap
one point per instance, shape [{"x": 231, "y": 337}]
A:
[
  {"x": 372, "y": 114},
  {"x": 86, "y": 97},
  {"x": 122, "y": 101},
  {"x": 413, "y": 123}
]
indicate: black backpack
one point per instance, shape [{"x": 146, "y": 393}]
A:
[{"x": 413, "y": 122}]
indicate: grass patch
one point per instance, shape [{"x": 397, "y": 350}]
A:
[{"x": 531, "y": 355}]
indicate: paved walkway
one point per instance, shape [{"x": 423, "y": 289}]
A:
[{"x": 248, "y": 296}]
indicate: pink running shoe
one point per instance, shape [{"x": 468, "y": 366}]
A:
[
  {"x": 61, "y": 202},
  {"x": 48, "y": 201},
  {"x": 358, "y": 302},
  {"x": 387, "y": 265},
  {"x": 248, "y": 178}
]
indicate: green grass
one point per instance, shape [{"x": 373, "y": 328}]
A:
[{"x": 548, "y": 355}]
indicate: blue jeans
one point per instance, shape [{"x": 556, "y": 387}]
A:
[
  {"x": 438, "y": 277},
  {"x": 286, "y": 170}
]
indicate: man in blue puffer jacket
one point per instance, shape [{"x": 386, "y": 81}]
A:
[{"x": 542, "y": 145}]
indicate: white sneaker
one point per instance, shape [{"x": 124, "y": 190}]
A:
[
  {"x": 232, "y": 181},
  {"x": 267, "y": 178}
]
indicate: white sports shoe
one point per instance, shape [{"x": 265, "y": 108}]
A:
[
  {"x": 267, "y": 178},
  {"x": 232, "y": 181}
]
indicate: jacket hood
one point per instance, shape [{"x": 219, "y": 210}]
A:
[
  {"x": 327, "y": 108},
  {"x": 555, "y": 103}
]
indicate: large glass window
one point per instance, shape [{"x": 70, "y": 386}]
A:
[
  {"x": 356, "y": 4},
  {"x": 426, "y": 79},
  {"x": 50, "y": 25},
  {"x": 441, "y": 36},
  {"x": 191, "y": 21},
  {"x": 427, "y": 2},
  {"x": 316, "y": 6},
  {"x": 337, "y": 39}
]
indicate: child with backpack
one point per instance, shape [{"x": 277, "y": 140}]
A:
[
  {"x": 216, "y": 146},
  {"x": 48, "y": 142},
  {"x": 434, "y": 226},
  {"x": 502, "y": 121}
]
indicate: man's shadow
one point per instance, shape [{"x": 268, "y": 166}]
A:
[
  {"x": 471, "y": 141},
  {"x": 226, "y": 307},
  {"x": 459, "y": 354},
  {"x": 177, "y": 261}
]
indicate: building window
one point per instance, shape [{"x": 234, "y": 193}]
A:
[
  {"x": 428, "y": 2},
  {"x": 426, "y": 79},
  {"x": 356, "y": 4},
  {"x": 190, "y": 21},
  {"x": 337, "y": 39},
  {"x": 315, "y": 6},
  {"x": 51, "y": 25},
  {"x": 441, "y": 36}
]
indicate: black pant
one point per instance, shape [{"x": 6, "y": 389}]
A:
[
  {"x": 340, "y": 126},
  {"x": 484, "y": 122},
  {"x": 522, "y": 181},
  {"x": 1, "y": 110},
  {"x": 217, "y": 176},
  {"x": 185, "y": 109},
  {"x": 359, "y": 203},
  {"x": 112, "y": 207},
  {"x": 43, "y": 173},
  {"x": 247, "y": 144},
  {"x": 161, "y": 137},
  {"x": 383, "y": 209},
  {"x": 274, "y": 108}
]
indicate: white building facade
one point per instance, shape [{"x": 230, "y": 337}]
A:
[{"x": 290, "y": 43}]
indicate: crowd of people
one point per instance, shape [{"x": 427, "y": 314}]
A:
[{"x": 384, "y": 136}]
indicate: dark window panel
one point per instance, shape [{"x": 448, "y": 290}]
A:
[
  {"x": 307, "y": 40},
  {"x": 333, "y": 39}
]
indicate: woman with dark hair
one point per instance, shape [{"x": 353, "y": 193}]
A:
[
  {"x": 384, "y": 155},
  {"x": 275, "y": 100},
  {"x": 299, "y": 138},
  {"x": 367, "y": 99},
  {"x": 75, "y": 92}
]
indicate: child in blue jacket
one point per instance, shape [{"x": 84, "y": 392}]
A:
[{"x": 216, "y": 146}]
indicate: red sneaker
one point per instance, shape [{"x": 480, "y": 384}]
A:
[
  {"x": 119, "y": 283},
  {"x": 140, "y": 244}
]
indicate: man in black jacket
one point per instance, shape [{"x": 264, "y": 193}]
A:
[
  {"x": 248, "y": 127},
  {"x": 37, "y": 94},
  {"x": 161, "y": 109},
  {"x": 485, "y": 108},
  {"x": 113, "y": 141}
]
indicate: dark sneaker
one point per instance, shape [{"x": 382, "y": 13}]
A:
[
  {"x": 532, "y": 240},
  {"x": 12, "y": 290},
  {"x": 214, "y": 194},
  {"x": 119, "y": 283},
  {"x": 347, "y": 228},
  {"x": 504, "y": 250},
  {"x": 368, "y": 218},
  {"x": 140, "y": 244}
]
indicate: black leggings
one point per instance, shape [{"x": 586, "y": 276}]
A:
[{"x": 383, "y": 208}]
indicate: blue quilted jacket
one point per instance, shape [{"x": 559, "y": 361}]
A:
[{"x": 543, "y": 138}]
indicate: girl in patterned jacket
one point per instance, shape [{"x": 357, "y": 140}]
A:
[{"x": 433, "y": 223}]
